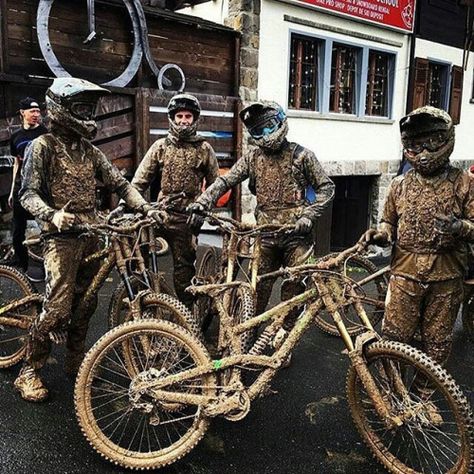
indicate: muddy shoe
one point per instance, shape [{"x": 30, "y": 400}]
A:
[
  {"x": 30, "y": 386},
  {"x": 72, "y": 363}
]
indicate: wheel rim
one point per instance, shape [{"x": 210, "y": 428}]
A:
[{"x": 13, "y": 338}]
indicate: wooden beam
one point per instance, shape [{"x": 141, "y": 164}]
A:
[{"x": 3, "y": 37}]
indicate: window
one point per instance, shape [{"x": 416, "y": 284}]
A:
[
  {"x": 378, "y": 77},
  {"x": 437, "y": 84},
  {"x": 303, "y": 73},
  {"x": 332, "y": 77},
  {"x": 343, "y": 79}
]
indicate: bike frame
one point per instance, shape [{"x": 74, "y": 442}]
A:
[{"x": 314, "y": 299}]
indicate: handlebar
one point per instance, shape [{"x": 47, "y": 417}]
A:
[{"x": 231, "y": 225}]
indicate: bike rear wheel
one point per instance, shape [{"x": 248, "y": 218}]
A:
[
  {"x": 437, "y": 434},
  {"x": 357, "y": 268},
  {"x": 206, "y": 273},
  {"x": 119, "y": 307},
  {"x": 126, "y": 423},
  {"x": 14, "y": 324}
]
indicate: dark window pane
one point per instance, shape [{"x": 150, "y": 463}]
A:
[
  {"x": 376, "y": 102},
  {"x": 303, "y": 73},
  {"x": 343, "y": 79}
]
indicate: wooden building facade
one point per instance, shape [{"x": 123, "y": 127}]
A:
[{"x": 130, "y": 39}]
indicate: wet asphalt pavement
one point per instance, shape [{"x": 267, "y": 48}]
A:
[{"x": 304, "y": 427}]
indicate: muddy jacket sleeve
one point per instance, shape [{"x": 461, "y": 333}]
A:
[
  {"x": 389, "y": 221},
  {"x": 238, "y": 173},
  {"x": 111, "y": 177},
  {"x": 34, "y": 190},
  {"x": 148, "y": 168},
  {"x": 467, "y": 228},
  {"x": 323, "y": 186},
  {"x": 212, "y": 167}
]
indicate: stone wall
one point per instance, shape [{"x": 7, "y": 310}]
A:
[{"x": 244, "y": 16}]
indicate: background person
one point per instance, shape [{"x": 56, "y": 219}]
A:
[{"x": 31, "y": 128}]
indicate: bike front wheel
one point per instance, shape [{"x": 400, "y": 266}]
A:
[
  {"x": 14, "y": 323},
  {"x": 437, "y": 430},
  {"x": 115, "y": 403},
  {"x": 372, "y": 297}
]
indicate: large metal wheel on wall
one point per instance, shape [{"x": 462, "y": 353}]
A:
[{"x": 140, "y": 46}]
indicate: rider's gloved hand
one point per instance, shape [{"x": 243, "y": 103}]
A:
[
  {"x": 303, "y": 226},
  {"x": 449, "y": 225},
  {"x": 160, "y": 217},
  {"x": 196, "y": 219},
  {"x": 375, "y": 237},
  {"x": 116, "y": 213},
  {"x": 63, "y": 220}
]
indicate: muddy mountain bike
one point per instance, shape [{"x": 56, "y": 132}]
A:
[
  {"x": 122, "y": 251},
  {"x": 147, "y": 390},
  {"x": 214, "y": 266}
]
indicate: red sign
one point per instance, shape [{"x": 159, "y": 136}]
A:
[{"x": 392, "y": 13}]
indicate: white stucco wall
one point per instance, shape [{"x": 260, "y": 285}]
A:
[
  {"x": 215, "y": 10},
  {"x": 464, "y": 149},
  {"x": 331, "y": 139}
]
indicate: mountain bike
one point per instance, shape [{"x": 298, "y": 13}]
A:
[
  {"x": 122, "y": 251},
  {"x": 372, "y": 282},
  {"x": 147, "y": 390}
]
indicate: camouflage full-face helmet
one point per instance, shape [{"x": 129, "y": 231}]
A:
[
  {"x": 427, "y": 136},
  {"x": 72, "y": 103},
  {"x": 266, "y": 123},
  {"x": 178, "y": 103}
]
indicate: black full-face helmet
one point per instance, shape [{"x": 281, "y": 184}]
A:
[
  {"x": 266, "y": 123},
  {"x": 72, "y": 103},
  {"x": 427, "y": 136},
  {"x": 178, "y": 103}
]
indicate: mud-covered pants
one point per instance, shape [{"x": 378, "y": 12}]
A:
[
  {"x": 67, "y": 279},
  {"x": 183, "y": 246},
  {"x": 282, "y": 251},
  {"x": 433, "y": 306}
]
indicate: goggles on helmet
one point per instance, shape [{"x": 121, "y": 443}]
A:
[
  {"x": 83, "y": 110},
  {"x": 267, "y": 126},
  {"x": 432, "y": 143}
]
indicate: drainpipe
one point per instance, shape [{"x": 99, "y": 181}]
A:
[{"x": 411, "y": 69}]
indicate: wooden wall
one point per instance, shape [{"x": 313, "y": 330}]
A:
[{"x": 128, "y": 120}]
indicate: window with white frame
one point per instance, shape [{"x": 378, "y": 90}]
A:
[{"x": 333, "y": 77}]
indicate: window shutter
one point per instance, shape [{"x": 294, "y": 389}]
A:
[
  {"x": 420, "y": 84},
  {"x": 457, "y": 74}
]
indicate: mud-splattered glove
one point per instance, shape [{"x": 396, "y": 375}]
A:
[
  {"x": 63, "y": 220},
  {"x": 303, "y": 226},
  {"x": 160, "y": 217},
  {"x": 116, "y": 213},
  {"x": 449, "y": 225},
  {"x": 375, "y": 237},
  {"x": 195, "y": 219}
]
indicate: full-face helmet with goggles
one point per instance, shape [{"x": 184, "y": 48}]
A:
[
  {"x": 72, "y": 103},
  {"x": 427, "y": 136},
  {"x": 266, "y": 123}
]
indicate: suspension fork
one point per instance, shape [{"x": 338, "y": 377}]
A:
[
  {"x": 356, "y": 355},
  {"x": 122, "y": 266}
]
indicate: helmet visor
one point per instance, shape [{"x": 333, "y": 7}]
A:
[
  {"x": 84, "y": 110},
  {"x": 431, "y": 143},
  {"x": 264, "y": 128}
]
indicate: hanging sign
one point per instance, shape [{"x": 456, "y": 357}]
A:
[{"x": 391, "y": 13}]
